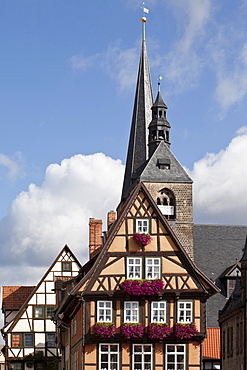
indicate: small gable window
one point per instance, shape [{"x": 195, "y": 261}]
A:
[
  {"x": 142, "y": 225},
  {"x": 152, "y": 268},
  {"x": 67, "y": 266},
  {"x": 16, "y": 340},
  {"x": 166, "y": 203},
  {"x": 158, "y": 312},
  {"x": 28, "y": 340},
  {"x": 38, "y": 312},
  {"x": 51, "y": 340},
  {"x": 104, "y": 311},
  {"x": 131, "y": 312},
  {"x": 164, "y": 164},
  {"x": 185, "y": 311},
  {"x": 134, "y": 268}
]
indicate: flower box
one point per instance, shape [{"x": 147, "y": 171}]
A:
[
  {"x": 158, "y": 331},
  {"x": 142, "y": 287},
  {"x": 142, "y": 239},
  {"x": 184, "y": 331},
  {"x": 132, "y": 330},
  {"x": 104, "y": 329}
]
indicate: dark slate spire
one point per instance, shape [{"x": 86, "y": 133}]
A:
[
  {"x": 159, "y": 128},
  {"x": 142, "y": 116}
]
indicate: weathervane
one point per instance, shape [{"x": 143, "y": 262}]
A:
[
  {"x": 144, "y": 20},
  {"x": 159, "y": 79}
]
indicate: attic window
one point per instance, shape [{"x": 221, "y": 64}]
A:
[
  {"x": 164, "y": 164},
  {"x": 66, "y": 266}
]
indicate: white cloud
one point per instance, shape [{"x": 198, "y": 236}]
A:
[
  {"x": 13, "y": 166},
  {"x": 45, "y": 218},
  {"x": 220, "y": 184},
  {"x": 120, "y": 64}
]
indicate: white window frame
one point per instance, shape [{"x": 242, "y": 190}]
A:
[
  {"x": 175, "y": 354},
  {"x": 158, "y": 312},
  {"x": 142, "y": 365},
  {"x": 131, "y": 312},
  {"x": 152, "y": 269},
  {"x": 134, "y": 269},
  {"x": 142, "y": 225},
  {"x": 108, "y": 365},
  {"x": 185, "y": 310},
  {"x": 104, "y": 309}
]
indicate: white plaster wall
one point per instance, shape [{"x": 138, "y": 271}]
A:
[
  {"x": 49, "y": 276},
  {"x": 32, "y": 300},
  {"x": 51, "y": 299},
  {"x": 38, "y": 325},
  {"x": 49, "y": 287},
  {"x": 41, "y": 298},
  {"x": 50, "y": 326},
  {"x": 41, "y": 289},
  {"x": 22, "y": 325}
]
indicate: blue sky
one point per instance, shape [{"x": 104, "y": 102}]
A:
[{"x": 68, "y": 72}]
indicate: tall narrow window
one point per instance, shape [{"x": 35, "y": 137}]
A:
[
  {"x": 152, "y": 268},
  {"x": 158, "y": 312},
  {"x": 134, "y": 268},
  {"x": 38, "y": 312},
  {"x": 104, "y": 311},
  {"x": 175, "y": 357},
  {"x": 49, "y": 311},
  {"x": 142, "y": 225},
  {"x": 142, "y": 357},
  {"x": 16, "y": 340},
  {"x": 131, "y": 312},
  {"x": 50, "y": 339},
  {"x": 28, "y": 340},
  {"x": 185, "y": 311},
  {"x": 108, "y": 356}
]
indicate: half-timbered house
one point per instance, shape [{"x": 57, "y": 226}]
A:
[
  {"x": 29, "y": 332},
  {"x": 142, "y": 303}
]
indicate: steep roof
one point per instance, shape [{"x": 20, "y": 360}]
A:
[
  {"x": 13, "y": 297},
  {"x": 84, "y": 285},
  {"x": 211, "y": 345},
  {"x": 153, "y": 173},
  {"x": 217, "y": 247},
  {"x": 142, "y": 116}
]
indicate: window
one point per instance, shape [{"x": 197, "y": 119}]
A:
[
  {"x": 66, "y": 266},
  {"x": 134, "y": 268},
  {"x": 142, "y": 357},
  {"x": 185, "y": 312},
  {"x": 152, "y": 268},
  {"x": 158, "y": 311},
  {"x": 38, "y": 312},
  {"x": 50, "y": 340},
  {"x": 28, "y": 340},
  {"x": 49, "y": 311},
  {"x": 131, "y": 312},
  {"x": 108, "y": 356},
  {"x": 142, "y": 225},
  {"x": 16, "y": 340},
  {"x": 175, "y": 357},
  {"x": 16, "y": 365},
  {"x": 75, "y": 360},
  {"x": 104, "y": 311}
]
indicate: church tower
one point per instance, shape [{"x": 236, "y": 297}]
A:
[{"x": 150, "y": 160}]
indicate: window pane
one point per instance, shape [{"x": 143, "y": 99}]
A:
[
  {"x": 16, "y": 340},
  {"x": 28, "y": 340},
  {"x": 51, "y": 340},
  {"x": 38, "y": 312},
  {"x": 104, "y": 311},
  {"x": 49, "y": 311}
]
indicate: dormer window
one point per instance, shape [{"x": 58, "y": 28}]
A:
[{"x": 164, "y": 164}]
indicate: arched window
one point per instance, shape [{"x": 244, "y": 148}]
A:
[{"x": 167, "y": 204}]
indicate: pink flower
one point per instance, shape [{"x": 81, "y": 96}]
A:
[
  {"x": 104, "y": 329},
  {"x": 184, "y": 331},
  {"x": 142, "y": 239},
  {"x": 158, "y": 331},
  {"x": 132, "y": 330},
  {"x": 142, "y": 287}
]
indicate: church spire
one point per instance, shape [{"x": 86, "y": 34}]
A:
[{"x": 142, "y": 116}]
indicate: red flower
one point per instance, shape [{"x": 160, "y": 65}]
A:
[
  {"x": 142, "y": 239},
  {"x": 142, "y": 287},
  {"x": 184, "y": 331},
  {"x": 104, "y": 329},
  {"x": 158, "y": 331},
  {"x": 132, "y": 330}
]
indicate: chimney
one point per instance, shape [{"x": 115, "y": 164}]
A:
[
  {"x": 111, "y": 218},
  {"x": 95, "y": 236}
]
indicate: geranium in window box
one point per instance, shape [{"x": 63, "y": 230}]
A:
[
  {"x": 184, "y": 331},
  {"x": 158, "y": 331},
  {"x": 142, "y": 239},
  {"x": 132, "y": 330},
  {"x": 104, "y": 329},
  {"x": 142, "y": 287}
]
